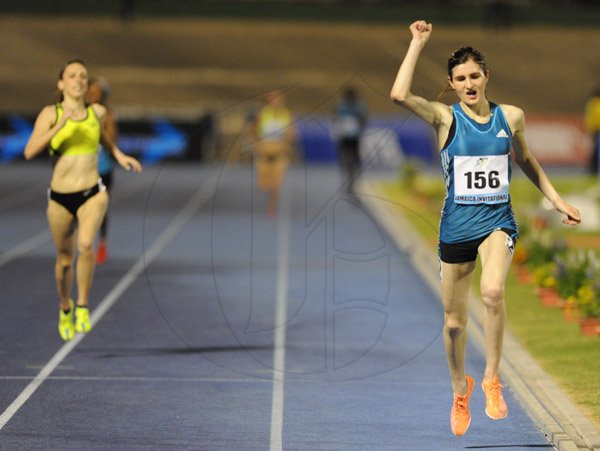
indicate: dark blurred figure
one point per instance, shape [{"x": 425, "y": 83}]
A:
[
  {"x": 349, "y": 124},
  {"x": 592, "y": 124},
  {"x": 499, "y": 14},
  {"x": 127, "y": 10},
  {"x": 98, "y": 92}
]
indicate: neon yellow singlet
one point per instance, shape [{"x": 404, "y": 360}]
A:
[
  {"x": 76, "y": 137},
  {"x": 272, "y": 123},
  {"x": 592, "y": 115}
]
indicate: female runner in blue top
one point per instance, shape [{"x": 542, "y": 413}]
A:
[
  {"x": 98, "y": 92},
  {"x": 77, "y": 199},
  {"x": 475, "y": 138}
]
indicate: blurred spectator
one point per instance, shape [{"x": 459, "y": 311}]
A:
[
  {"x": 127, "y": 10},
  {"x": 499, "y": 14},
  {"x": 272, "y": 132},
  {"x": 592, "y": 124},
  {"x": 349, "y": 124}
]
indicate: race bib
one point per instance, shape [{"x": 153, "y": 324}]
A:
[{"x": 481, "y": 180}]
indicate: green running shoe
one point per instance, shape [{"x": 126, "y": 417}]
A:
[
  {"x": 66, "y": 329},
  {"x": 82, "y": 320}
]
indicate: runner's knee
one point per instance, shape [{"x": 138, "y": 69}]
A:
[
  {"x": 492, "y": 295},
  {"x": 64, "y": 259},
  {"x": 455, "y": 324},
  {"x": 85, "y": 246}
]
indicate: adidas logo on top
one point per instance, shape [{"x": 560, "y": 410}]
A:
[{"x": 502, "y": 134}]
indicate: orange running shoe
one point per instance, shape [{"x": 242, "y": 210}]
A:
[
  {"x": 101, "y": 253},
  {"x": 495, "y": 406},
  {"x": 460, "y": 416}
]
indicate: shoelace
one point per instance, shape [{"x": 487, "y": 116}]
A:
[
  {"x": 494, "y": 389},
  {"x": 461, "y": 404}
]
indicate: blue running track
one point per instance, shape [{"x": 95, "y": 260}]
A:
[{"x": 217, "y": 328}]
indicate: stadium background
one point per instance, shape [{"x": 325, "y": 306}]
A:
[
  {"x": 189, "y": 76},
  {"x": 185, "y": 74}
]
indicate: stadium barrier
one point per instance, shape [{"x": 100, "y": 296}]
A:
[
  {"x": 554, "y": 140},
  {"x": 152, "y": 139}
]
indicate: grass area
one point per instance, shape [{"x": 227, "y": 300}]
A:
[{"x": 571, "y": 358}]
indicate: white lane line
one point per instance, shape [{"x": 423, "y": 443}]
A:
[
  {"x": 176, "y": 225},
  {"x": 38, "y": 240},
  {"x": 136, "y": 379},
  {"x": 25, "y": 247},
  {"x": 279, "y": 336}
]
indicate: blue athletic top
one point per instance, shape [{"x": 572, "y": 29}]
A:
[
  {"x": 105, "y": 161},
  {"x": 350, "y": 119},
  {"x": 477, "y": 170}
]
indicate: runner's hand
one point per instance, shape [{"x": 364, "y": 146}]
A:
[
  {"x": 572, "y": 214},
  {"x": 421, "y": 31}
]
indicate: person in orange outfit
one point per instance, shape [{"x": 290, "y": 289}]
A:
[
  {"x": 77, "y": 200},
  {"x": 475, "y": 138}
]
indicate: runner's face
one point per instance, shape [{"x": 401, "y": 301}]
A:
[
  {"x": 469, "y": 82},
  {"x": 74, "y": 82}
]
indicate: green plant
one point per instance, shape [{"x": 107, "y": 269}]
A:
[
  {"x": 588, "y": 299},
  {"x": 575, "y": 269},
  {"x": 408, "y": 173},
  {"x": 542, "y": 247},
  {"x": 543, "y": 275}
]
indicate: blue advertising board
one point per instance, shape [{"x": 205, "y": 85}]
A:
[
  {"x": 413, "y": 137},
  {"x": 152, "y": 139}
]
